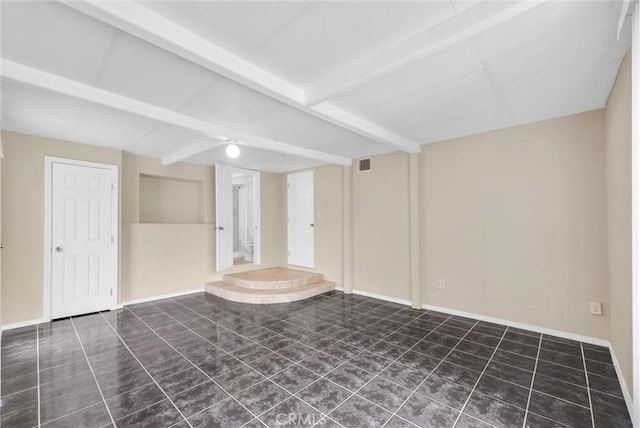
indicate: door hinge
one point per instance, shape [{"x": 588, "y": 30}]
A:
[
  {"x": 112, "y": 186},
  {"x": 111, "y": 291},
  {"x": 288, "y": 253},
  {"x": 112, "y": 239}
]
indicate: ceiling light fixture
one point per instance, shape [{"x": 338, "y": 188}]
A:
[{"x": 232, "y": 150}]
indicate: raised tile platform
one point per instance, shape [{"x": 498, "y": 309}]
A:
[{"x": 273, "y": 285}]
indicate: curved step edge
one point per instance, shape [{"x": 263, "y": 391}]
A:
[{"x": 267, "y": 296}]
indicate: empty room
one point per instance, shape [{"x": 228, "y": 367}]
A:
[{"x": 319, "y": 213}]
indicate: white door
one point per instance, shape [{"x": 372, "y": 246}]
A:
[
  {"x": 224, "y": 217},
  {"x": 82, "y": 239},
  {"x": 300, "y": 218}
]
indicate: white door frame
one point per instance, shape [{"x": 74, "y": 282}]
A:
[
  {"x": 635, "y": 217},
  {"x": 257, "y": 220},
  {"x": 257, "y": 239},
  {"x": 48, "y": 227},
  {"x": 257, "y": 253},
  {"x": 223, "y": 173}
]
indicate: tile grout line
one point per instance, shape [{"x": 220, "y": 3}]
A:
[
  {"x": 434, "y": 369},
  {"x": 246, "y": 321},
  {"x": 533, "y": 378},
  {"x": 190, "y": 362},
  {"x": 145, "y": 369},
  {"x": 354, "y": 393},
  {"x": 276, "y": 333},
  {"x": 396, "y": 332},
  {"x": 119, "y": 395},
  {"x": 504, "y": 350},
  {"x": 480, "y": 377},
  {"x": 266, "y": 378},
  {"x": 91, "y": 405},
  {"x": 323, "y": 376},
  {"x": 385, "y": 367},
  {"x": 104, "y": 401},
  {"x": 38, "y": 370},
  {"x": 387, "y": 317},
  {"x": 586, "y": 376}
]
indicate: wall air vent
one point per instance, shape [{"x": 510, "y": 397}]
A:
[{"x": 364, "y": 165}]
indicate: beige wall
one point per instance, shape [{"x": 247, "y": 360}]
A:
[
  {"x": 272, "y": 221},
  {"x": 133, "y": 166},
  {"x": 171, "y": 200},
  {"x": 381, "y": 227},
  {"x": 515, "y": 222},
  {"x": 23, "y": 217},
  {"x": 328, "y": 206},
  {"x": 165, "y": 258},
  {"x": 155, "y": 259},
  {"x": 159, "y": 259},
  {"x": 618, "y": 158}
]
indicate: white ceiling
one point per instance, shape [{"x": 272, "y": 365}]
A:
[{"x": 449, "y": 69}]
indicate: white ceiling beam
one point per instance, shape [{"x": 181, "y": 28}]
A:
[
  {"x": 30, "y": 76},
  {"x": 623, "y": 14},
  {"x": 334, "y": 114},
  {"x": 191, "y": 151},
  {"x": 472, "y": 21},
  {"x": 143, "y": 23}
]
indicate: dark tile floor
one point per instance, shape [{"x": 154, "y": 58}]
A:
[{"x": 333, "y": 360}]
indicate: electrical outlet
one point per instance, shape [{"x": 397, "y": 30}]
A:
[
  {"x": 441, "y": 284},
  {"x": 595, "y": 308}
]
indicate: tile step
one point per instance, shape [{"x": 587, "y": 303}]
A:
[
  {"x": 263, "y": 296},
  {"x": 272, "y": 278}
]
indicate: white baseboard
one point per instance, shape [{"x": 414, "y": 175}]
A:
[
  {"x": 623, "y": 384},
  {"x": 551, "y": 332},
  {"x": 530, "y": 327},
  {"x": 382, "y": 297},
  {"x": 339, "y": 288},
  {"x": 22, "y": 324},
  {"x": 162, "y": 296}
]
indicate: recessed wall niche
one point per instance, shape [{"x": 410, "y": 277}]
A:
[{"x": 171, "y": 200}]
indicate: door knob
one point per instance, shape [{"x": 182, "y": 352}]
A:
[
  {"x": 311, "y": 225},
  {"x": 221, "y": 228},
  {"x": 58, "y": 249}
]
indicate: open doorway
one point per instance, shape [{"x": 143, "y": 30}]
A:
[
  {"x": 237, "y": 217},
  {"x": 244, "y": 219}
]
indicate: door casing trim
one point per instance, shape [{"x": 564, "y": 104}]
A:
[{"x": 48, "y": 227}]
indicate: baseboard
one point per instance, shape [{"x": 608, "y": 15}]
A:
[
  {"x": 162, "y": 296},
  {"x": 382, "y": 297},
  {"x": 623, "y": 385},
  {"x": 559, "y": 333},
  {"x": 530, "y": 327},
  {"x": 339, "y": 288},
  {"x": 22, "y": 324}
]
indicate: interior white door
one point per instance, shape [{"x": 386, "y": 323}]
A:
[
  {"x": 300, "y": 218},
  {"x": 224, "y": 217},
  {"x": 82, "y": 236}
]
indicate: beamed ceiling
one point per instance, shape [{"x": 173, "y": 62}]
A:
[{"x": 299, "y": 84}]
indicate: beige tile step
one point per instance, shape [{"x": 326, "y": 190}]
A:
[
  {"x": 272, "y": 278},
  {"x": 262, "y": 296}
]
